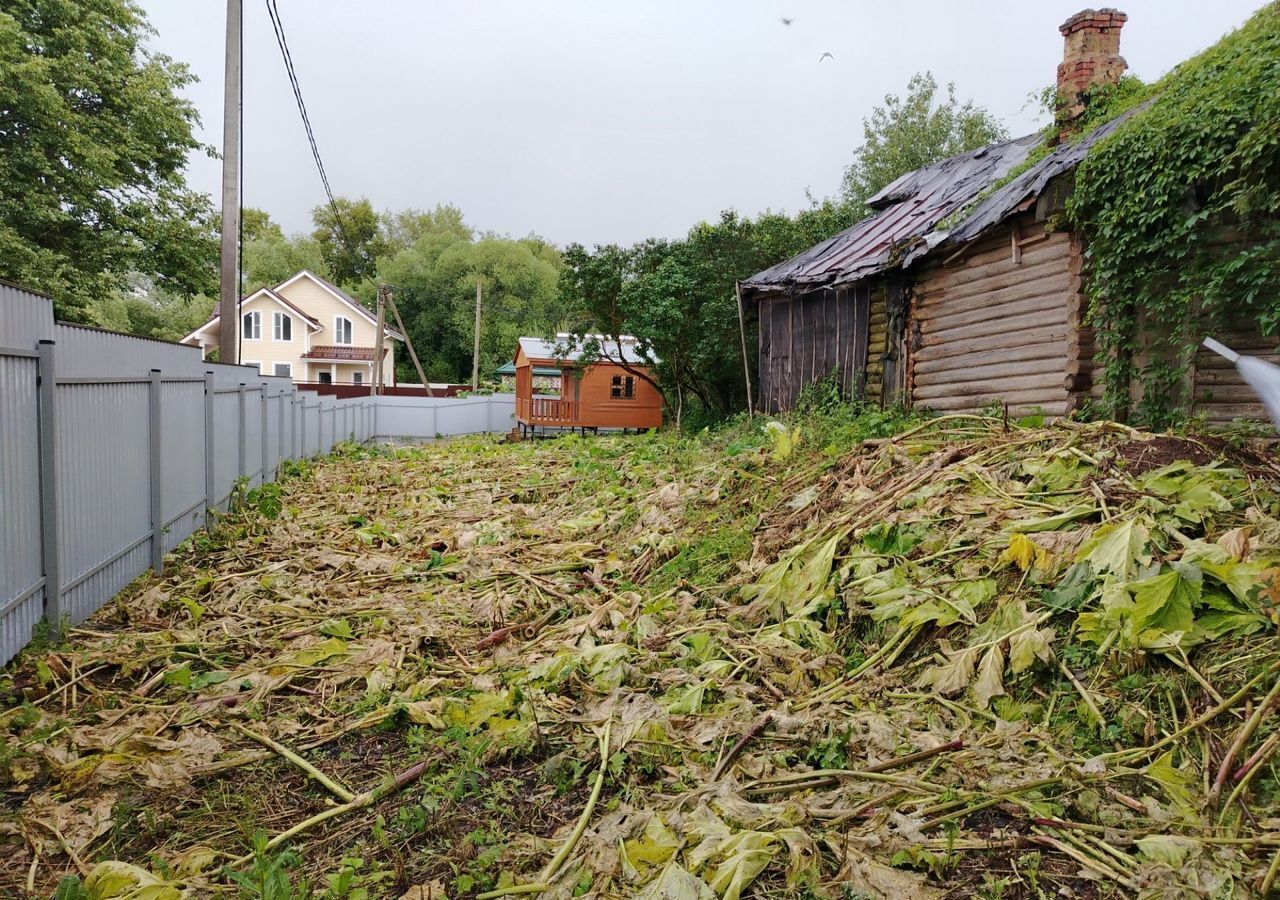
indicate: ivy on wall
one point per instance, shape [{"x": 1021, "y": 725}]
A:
[{"x": 1181, "y": 211}]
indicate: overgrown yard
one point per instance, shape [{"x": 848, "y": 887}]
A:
[{"x": 974, "y": 659}]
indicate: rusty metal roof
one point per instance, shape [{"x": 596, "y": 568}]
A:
[
  {"x": 907, "y": 211},
  {"x": 1014, "y": 196}
]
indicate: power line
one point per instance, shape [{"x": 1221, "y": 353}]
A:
[{"x": 277, "y": 25}]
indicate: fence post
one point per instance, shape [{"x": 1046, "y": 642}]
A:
[
  {"x": 241, "y": 463},
  {"x": 157, "y": 484},
  {"x": 280, "y": 454},
  {"x": 47, "y": 399},
  {"x": 210, "y": 489},
  {"x": 262, "y": 441}
]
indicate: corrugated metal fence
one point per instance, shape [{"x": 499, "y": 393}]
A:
[{"x": 113, "y": 449}]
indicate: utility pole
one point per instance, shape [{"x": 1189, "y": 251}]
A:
[
  {"x": 475, "y": 353},
  {"x": 408, "y": 341},
  {"x": 376, "y": 387},
  {"x": 229, "y": 288}
]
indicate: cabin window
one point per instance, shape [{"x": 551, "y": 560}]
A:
[
  {"x": 623, "y": 388},
  {"x": 357, "y": 378},
  {"x": 284, "y": 370},
  {"x": 252, "y": 326},
  {"x": 341, "y": 330},
  {"x": 282, "y": 327}
]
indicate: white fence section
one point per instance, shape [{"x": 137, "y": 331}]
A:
[
  {"x": 423, "y": 418},
  {"x": 114, "y": 449}
]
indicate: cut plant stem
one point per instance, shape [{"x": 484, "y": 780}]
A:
[{"x": 338, "y": 790}]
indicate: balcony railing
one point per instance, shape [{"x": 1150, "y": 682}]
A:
[{"x": 548, "y": 410}]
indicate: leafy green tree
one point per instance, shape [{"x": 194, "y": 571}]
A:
[
  {"x": 435, "y": 287},
  {"x": 146, "y": 310},
  {"x": 351, "y": 239},
  {"x": 679, "y": 298},
  {"x": 270, "y": 259},
  {"x": 256, "y": 223},
  {"x": 401, "y": 230},
  {"x": 94, "y": 140},
  {"x": 910, "y": 132}
]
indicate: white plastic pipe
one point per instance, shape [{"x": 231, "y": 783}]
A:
[{"x": 1262, "y": 376}]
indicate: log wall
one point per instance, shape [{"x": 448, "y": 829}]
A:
[
  {"x": 807, "y": 338},
  {"x": 999, "y": 324}
]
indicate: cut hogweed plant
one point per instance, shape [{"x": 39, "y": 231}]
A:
[{"x": 489, "y": 669}]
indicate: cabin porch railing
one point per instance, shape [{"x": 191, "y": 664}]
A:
[{"x": 548, "y": 411}]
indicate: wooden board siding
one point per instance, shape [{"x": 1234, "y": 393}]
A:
[
  {"x": 997, "y": 325},
  {"x": 807, "y": 338}
]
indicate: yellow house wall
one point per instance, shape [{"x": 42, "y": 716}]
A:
[{"x": 322, "y": 306}]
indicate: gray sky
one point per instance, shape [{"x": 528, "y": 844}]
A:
[{"x": 615, "y": 120}]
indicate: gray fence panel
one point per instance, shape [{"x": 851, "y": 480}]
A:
[
  {"x": 104, "y": 504},
  {"x": 226, "y": 428},
  {"x": 25, "y": 317},
  {"x": 21, "y": 580},
  {"x": 83, "y": 515},
  {"x": 181, "y": 459}
]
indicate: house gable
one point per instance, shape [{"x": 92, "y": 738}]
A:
[{"x": 325, "y": 301}]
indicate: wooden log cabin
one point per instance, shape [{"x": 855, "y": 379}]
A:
[
  {"x": 838, "y": 309},
  {"x": 617, "y": 392},
  {"x": 970, "y": 296}
]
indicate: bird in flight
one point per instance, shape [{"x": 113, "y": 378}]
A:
[
  {"x": 827, "y": 55},
  {"x": 785, "y": 21}
]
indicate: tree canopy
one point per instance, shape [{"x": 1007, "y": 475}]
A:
[
  {"x": 93, "y": 145},
  {"x": 679, "y": 298},
  {"x": 908, "y": 133}
]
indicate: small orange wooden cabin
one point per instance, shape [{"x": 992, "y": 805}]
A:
[{"x": 604, "y": 394}]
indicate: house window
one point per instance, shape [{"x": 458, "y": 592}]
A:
[
  {"x": 623, "y": 388},
  {"x": 326, "y": 377},
  {"x": 284, "y": 370},
  {"x": 357, "y": 378},
  {"x": 252, "y": 326},
  {"x": 282, "y": 327},
  {"x": 341, "y": 330}
]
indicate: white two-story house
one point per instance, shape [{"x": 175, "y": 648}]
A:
[{"x": 309, "y": 330}]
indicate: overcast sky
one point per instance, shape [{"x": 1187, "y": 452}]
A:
[{"x": 614, "y": 120}]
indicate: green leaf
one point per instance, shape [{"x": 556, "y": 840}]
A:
[
  {"x": 1167, "y": 848},
  {"x": 743, "y": 856},
  {"x": 1176, "y": 783},
  {"x": 675, "y": 883},
  {"x": 989, "y": 682},
  {"x": 798, "y": 578},
  {"x": 1117, "y": 549},
  {"x": 655, "y": 846},
  {"x": 1073, "y": 591}
]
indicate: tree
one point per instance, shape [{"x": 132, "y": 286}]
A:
[
  {"x": 912, "y": 132},
  {"x": 256, "y": 223},
  {"x": 351, "y": 239},
  {"x": 401, "y": 230},
  {"x": 93, "y": 146},
  {"x": 435, "y": 284},
  {"x": 678, "y": 297},
  {"x": 146, "y": 310}
]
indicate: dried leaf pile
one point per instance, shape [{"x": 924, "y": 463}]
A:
[{"x": 967, "y": 660}]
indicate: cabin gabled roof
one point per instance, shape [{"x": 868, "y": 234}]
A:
[
  {"x": 539, "y": 350},
  {"x": 906, "y": 213}
]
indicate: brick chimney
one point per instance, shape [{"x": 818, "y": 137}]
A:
[{"x": 1090, "y": 58}]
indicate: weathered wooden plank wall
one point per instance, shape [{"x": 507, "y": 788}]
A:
[
  {"x": 996, "y": 324},
  {"x": 807, "y": 338}
]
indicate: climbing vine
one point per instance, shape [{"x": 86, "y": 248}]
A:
[{"x": 1181, "y": 211}]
